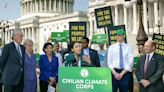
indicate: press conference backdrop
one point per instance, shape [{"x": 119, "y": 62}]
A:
[{"x": 85, "y": 79}]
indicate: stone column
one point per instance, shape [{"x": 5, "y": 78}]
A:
[
  {"x": 33, "y": 6},
  {"x": 135, "y": 18},
  {"x": 36, "y": 8},
  {"x": 156, "y": 19},
  {"x": 6, "y": 36},
  {"x": 145, "y": 16},
  {"x": 60, "y": 5},
  {"x": 64, "y": 3},
  {"x": 28, "y": 5},
  {"x": 94, "y": 26},
  {"x": 72, "y": 7},
  {"x": 91, "y": 25},
  {"x": 23, "y": 8},
  {"x": 24, "y": 4},
  {"x": 40, "y": 4},
  {"x": 45, "y": 5},
  {"x": 25, "y": 33},
  {"x": 67, "y": 7},
  {"x": 37, "y": 35},
  {"x": 33, "y": 35},
  {"x": 9, "y": 35},
  {"x": 29, "y": 33},
  {"x": 125, "y": 18},
  {"x": 116, "y": 14},
  {"x": 54, "y": 6},
  {"x": 50, "y": 2},
  {"x": 68, "y": 10}
]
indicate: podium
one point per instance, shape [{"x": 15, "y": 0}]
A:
[{"x": 85, "y": 79}]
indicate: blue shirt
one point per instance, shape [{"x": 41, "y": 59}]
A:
[
  {"x": 102, "y": 57},
  {"x": 86, "y": 51},
  {"x": 48, "y": 69}
]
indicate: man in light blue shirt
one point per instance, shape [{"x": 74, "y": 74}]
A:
[
  {"x": 120, "y": 61},
  {"x": 102, "y": 55}
]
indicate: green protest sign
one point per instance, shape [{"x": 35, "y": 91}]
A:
[
  {"x": 85, "y": 79},
  {"x": 67, "y": 33},
  {"x": 37, "y": 55},
  {"x": 58, "y": 36},
  {"x": 100, "y": 39},
  {"x": 159, "y": 39}
]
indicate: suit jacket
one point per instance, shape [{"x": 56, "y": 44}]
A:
[
  {"x": 94, "y": 57},
  {"x": 154, "y": 73},
  {"x": 10, "y": 66},
  {"x": 48, "y": 69}
]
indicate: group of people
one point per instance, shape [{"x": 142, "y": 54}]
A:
[{"x": 18, "y": 64}]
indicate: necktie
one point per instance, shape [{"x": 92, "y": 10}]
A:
[
  {"x": 20, "y": 54},
  {"x": 121, "y": 57},
  {"x": 146, "y": 64}
]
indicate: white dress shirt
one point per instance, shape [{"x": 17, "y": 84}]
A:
[
  {"x": 113, "y": 56},
  {"x": 150, "y": 56},
  {"x": 60, "y": 60}
]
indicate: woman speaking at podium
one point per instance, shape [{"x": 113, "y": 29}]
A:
[{"x": 76, "y": 57}]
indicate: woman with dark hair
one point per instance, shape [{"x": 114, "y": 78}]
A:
[
  {"x": 48, "y": 64},
  {"x": 75, "y": 57}
]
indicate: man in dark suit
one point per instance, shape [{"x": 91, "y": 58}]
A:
[
  {"x": 89, "y": 53},
  {"x": 11, "y": 63},
  {"x": 150, "y": 69}
]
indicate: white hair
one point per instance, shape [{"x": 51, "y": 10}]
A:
[{"x": 15, "y": 32}]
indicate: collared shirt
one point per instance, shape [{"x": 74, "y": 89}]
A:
[
  {"x": 18, "y": 46},
  {"x": 86, "y": 51},
  {"x": 60, "y": 59},
  {"x": 102, "y": 57},
  {"x": 0, "y": 51},
  {"x": 150, "y": 56},
  {"x": 113, "y": 56}
]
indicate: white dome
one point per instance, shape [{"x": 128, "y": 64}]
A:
[{"x": 55, "y": 7}]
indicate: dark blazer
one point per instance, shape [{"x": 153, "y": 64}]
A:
[
  {"x": 154, "y": 73},
  {"x": 94, "y": 57},
  {"x": 10, "y": 66}
]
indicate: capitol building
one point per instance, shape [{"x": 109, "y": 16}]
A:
[{"x": 41, "y": 17}]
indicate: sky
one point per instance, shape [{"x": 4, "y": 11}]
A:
[{"x": 10, "y": 9}]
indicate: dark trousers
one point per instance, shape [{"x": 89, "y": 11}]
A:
[
  {"x": 131, "y": 81},
  {"x": 15, "y": 88},
  {"x": 122, "y": 84},
  {"x": 0, "y": 87},
  {"x": 43, "y": 86}
]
